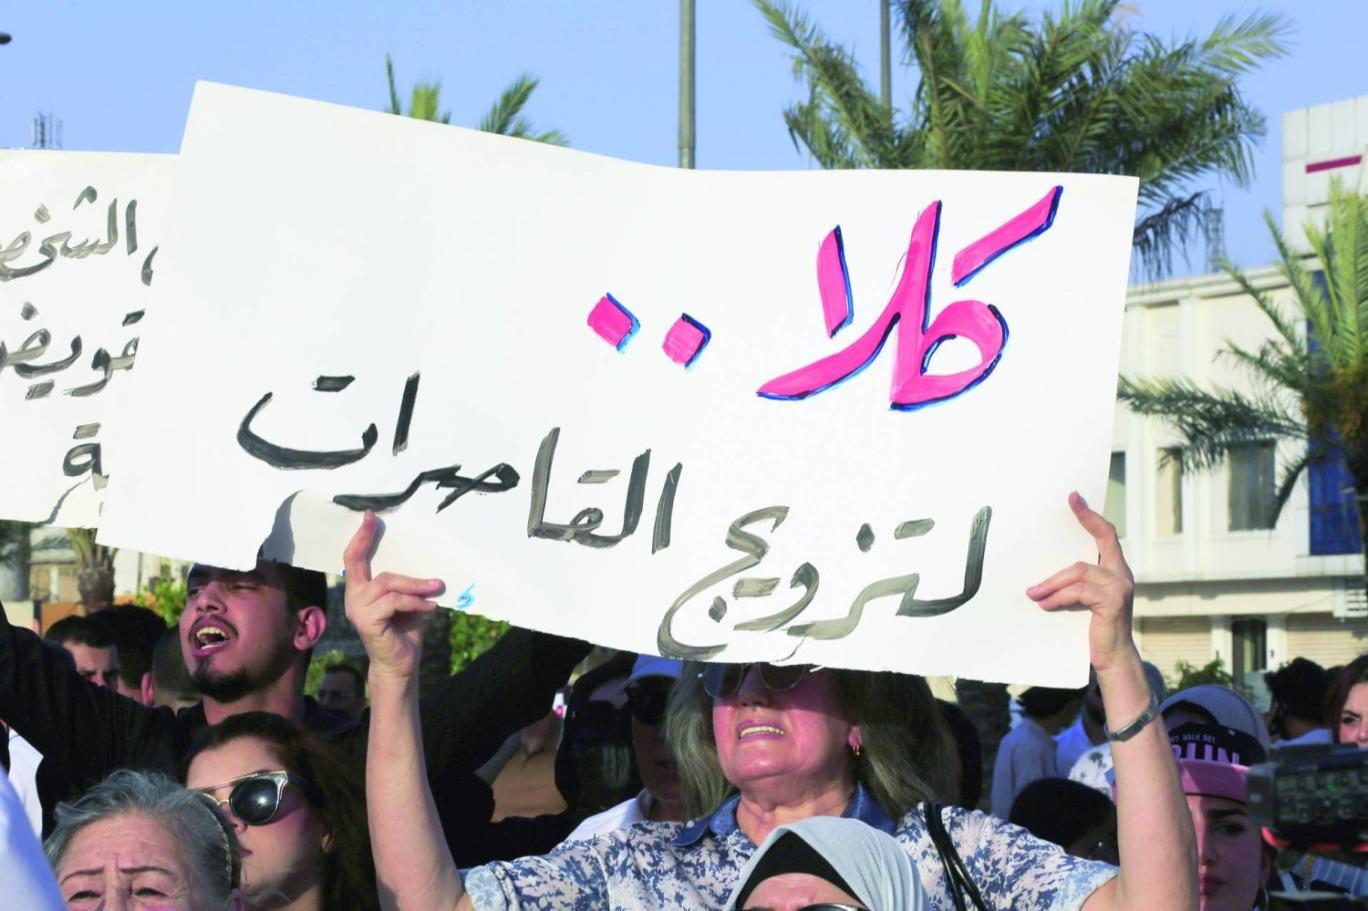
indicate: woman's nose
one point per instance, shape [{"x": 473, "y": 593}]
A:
[{"x": 752, "y": 690}]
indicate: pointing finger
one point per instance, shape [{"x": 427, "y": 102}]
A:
[
  {"x": 1103, "y": 532},
  {"x": 356, "y": 558}
]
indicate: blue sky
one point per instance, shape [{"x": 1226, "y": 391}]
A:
[{"x": 120, "y": 75}]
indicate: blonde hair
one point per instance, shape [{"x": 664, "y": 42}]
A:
[{"x": 906, "y": 753}]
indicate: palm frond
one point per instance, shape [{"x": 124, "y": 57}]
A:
[
  {"x": 1077, "y": 90},
  {"x": 1171, "y": 226},
  {"x": 503, "y": 114},
  {"x": 1236, "y": 46},
  {"x": 1210, "y": 423},
  {"x": 394, "y": 107},
  {"x": 863, "y": 132},
  {"x": 1292, "y": 470}
]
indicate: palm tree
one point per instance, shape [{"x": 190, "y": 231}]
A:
[
  {"x": 1311, "y": 386},
  {"x": 1079, "y": 91},
  {"x": 505, "y": 118},
  {"x": 14, "y": 560},
  {"x": 94, "y": 569}
]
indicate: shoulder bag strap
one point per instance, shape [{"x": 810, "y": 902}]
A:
[{"x": 957, "y": 874}]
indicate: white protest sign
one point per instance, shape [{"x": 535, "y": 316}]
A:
[
  {"x": 485, "y": 339},
  {"x": 79, "y": 235}
]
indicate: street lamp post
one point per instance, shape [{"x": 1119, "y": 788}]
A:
[{"x": 686, "y": 83}]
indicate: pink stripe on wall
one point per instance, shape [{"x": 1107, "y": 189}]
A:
[{"x": 1315, "y": 166}]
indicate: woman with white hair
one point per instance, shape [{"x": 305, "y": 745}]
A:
[{"x": 141, "y": 841}]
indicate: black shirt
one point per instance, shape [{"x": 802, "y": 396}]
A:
[{"x": 89, "y": 731}]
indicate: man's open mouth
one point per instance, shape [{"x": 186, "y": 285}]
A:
[{"x": 209, "y": 637}]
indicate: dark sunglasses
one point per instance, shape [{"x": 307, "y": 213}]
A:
[
  {"x": 647, "y": 704},
  {"x": 255, "y": 798},
  {"x": 722, "y": 680}
]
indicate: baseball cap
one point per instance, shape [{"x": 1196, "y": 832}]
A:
[
  {"x": 1214, "y": 760},
  {"x": 1224, "y": 707},
  {"x": 653, "y": 666}
]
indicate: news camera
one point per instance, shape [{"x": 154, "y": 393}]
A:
[{"x": 1314, "y": 799}]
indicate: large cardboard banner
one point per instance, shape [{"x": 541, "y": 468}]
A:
[
  {"x": 821, "y": 417},
  {"x": 79, "y": 238}
]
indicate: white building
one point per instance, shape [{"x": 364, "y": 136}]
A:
[{"x": 1215, "y": 578}]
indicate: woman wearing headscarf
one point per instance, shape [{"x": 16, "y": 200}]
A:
[{"x": 832, "y": 861}]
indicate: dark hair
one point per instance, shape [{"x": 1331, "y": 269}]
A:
[
  {"x": 136, "y": 631},
  {"x": 1060, "y": 810},
  {"x": 335, "y": 794},
  {"x": 303, "y": 587},
  {"x": 970, "y": 751},
  {"x": 906, "y": 745},
  {"x": 79, "y": 631},
  {"x": 1044, "y": 701},
  {"x": 1350, "y": 676},
  {"x": 595, "y": 765},
  {"x": 1300, "y": 687},
  {"x": 343, "y": 668},
  {"x": 170, "y": 676}
]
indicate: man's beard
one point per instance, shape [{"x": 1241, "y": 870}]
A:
[
  {"x": 224, "y": 687},
  {"x": 231, "y": 686}
]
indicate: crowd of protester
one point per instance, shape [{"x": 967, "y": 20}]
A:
[{"x": 187, "y": 768}]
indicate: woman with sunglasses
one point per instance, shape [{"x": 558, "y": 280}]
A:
[
  {"x": 297, "y": 808},
  {"x": 760, "y": 747}
]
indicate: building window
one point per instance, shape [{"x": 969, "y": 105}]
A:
[
  {"x": 1115, "y": 507},
  {"x": 1251, "y": 487},
  {"x": 1334, "y": 514},
  {"x": 1169, "y": 502},
  {"x": 1249, "y": 639}
]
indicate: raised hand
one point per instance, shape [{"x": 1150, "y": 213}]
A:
[
  {"x": 388, "y": 610},
  {"x": 1105, "y": 588}
]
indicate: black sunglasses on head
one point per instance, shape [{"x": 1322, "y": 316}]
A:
[
  {"x": 255, "y": 798},
  {"x": 722, "y": 680}
]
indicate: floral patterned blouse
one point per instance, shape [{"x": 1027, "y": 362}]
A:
[{"x": 694, "y": 866}]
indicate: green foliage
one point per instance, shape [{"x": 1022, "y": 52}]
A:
[
  {"x": 318, "y": 664},
  {"x": 168, "y": 600},
  {"x": 1191, "y": 675},
  {"x": 504, "y": 117},
  {"x": 1308, "y": 388},
  {"x": 13, "y": 538},
  {"x": 1079, "y": 91},
  {"x": 471, "y": 637}
]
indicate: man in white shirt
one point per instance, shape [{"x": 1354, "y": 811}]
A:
[
  {"x": 648, "y": 690},
  {"x": 1086, "y": 732},
  {"x": 23, "y": 776},
  {"x": 24, "y": 874}
]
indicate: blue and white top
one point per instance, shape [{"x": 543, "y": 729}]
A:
[{"x": 694, "y": 866}]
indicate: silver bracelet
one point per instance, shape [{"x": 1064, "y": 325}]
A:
[{"x": 1136, "y": 726}]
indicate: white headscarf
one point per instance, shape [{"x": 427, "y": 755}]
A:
[{"x": 873, "y": 864}]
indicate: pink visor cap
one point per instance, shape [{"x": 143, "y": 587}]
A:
[
  {"x": 1214, "y": 779},
  {"x": 1214, "y": 761}
]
